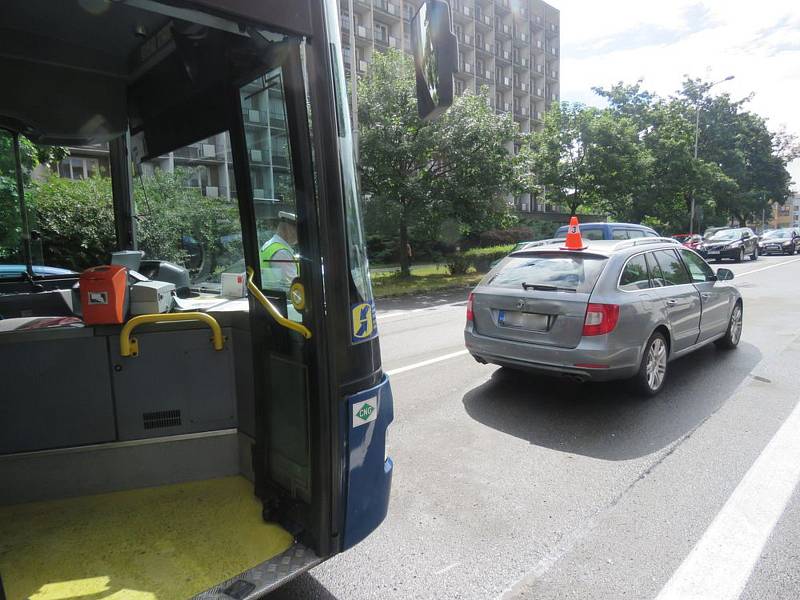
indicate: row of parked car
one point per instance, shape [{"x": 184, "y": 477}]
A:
[{"x": 717, "y": 243}]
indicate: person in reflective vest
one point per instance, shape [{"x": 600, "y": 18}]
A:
[{"x": 279, "y": 265}]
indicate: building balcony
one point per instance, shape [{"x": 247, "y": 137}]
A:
[
  {"x": 521, "y": 87},
  {"x": 521, "y": 38},
  {"x": 465, "y": 68},
  {"x": 521, "y": 62},
  {"x": 553, "y": 74},
  {"x": 537, "y": 45},
  {"x": 502, "y": 7},
  {"x": 552, "y": 29},
  {"x": 522, "y": 112},
  {"x": 503, "y": 82},
  {"x": 552, "y": 52},
  {"x": 504, "y": 55},
  {"x": 365, "y": 33},
  {"x": 537, "y": 115},
  {"x": 486, "y": 74},
  {"x": 463, "y": 13},
  {"x": 504, "y": 107},
  {"x": 538, "y": 69},
  {"x": 466, "y": 39},
  {"x": 537, "y": 23},
  {"x": 538, "y": 92},
  {"x": 503, "y": 31},
  {"x": 387, "y": 8},
  {"x": 487, "y": 47},
  {"x": 484, "y": 20}
]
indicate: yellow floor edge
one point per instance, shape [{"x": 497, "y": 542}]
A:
[{"x": 161, "y": 543}]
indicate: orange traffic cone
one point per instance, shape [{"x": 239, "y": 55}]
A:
[{"x": 574, "y": 240}]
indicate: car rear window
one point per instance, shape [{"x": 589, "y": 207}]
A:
[{"x": 556, "y": 269}]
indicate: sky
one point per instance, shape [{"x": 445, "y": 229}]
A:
[{"x": 661, "y": 41}]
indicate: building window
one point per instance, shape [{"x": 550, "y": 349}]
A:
[
  {"x": 459, "y": 87},
  {"x": 74, "y": 167}
]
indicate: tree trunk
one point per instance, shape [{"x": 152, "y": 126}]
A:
[{"x": 405, "y": 259}]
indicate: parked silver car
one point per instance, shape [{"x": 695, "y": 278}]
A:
[{"x": 614, "y": 310}]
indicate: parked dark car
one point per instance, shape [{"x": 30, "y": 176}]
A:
[
  {"x": 610, "y": 231},
  {"x": 733, "y": 243},
  {"x": 780, "y": 241}
]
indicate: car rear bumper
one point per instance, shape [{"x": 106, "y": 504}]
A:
[{"x": 591, "y": 360}]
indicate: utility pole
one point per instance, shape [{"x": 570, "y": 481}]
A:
[{"x": 696, "y": 141}]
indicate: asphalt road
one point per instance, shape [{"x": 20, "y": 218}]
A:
[{"x": 513, "y": 486}]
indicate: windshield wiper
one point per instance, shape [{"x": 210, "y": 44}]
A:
[{"x": 546, "y": 288}]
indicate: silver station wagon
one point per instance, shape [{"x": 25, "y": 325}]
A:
[{"x": 610, "y": 310}]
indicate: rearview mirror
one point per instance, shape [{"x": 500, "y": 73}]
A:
[
  {"x": 724, "y": 274},
  {"x": 435, "y": 57}
]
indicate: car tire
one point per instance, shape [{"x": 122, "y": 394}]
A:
[
  {"x": 734, "y": 332},
  {"x": 652, "y": 374},
  {"x": 754, "y": 255},
  {"x": 793, "y": 250},
  {"x": 740, "y": 257}
]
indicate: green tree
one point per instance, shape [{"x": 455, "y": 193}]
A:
[{"x": 420, "y": 174}]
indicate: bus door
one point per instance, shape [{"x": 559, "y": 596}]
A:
[{"x": 274, "y": 171}]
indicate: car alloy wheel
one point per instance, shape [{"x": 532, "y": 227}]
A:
[
  {"x": 736, "y": 324},
  {"x": 656, "y": 366}
]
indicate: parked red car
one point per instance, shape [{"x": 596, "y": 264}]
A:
[{"x": 690, "y": 240}]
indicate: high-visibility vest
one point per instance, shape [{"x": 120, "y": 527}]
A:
[{"x": 266, "y": 256}]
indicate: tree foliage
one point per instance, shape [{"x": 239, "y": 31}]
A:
[
  {"x": 421, "y": 176},
  {"x": 635, "y": 159}
]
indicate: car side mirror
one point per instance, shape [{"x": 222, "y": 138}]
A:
[
  {"x": 724, "y": 274},
  {"x": 435, "y": 57}
]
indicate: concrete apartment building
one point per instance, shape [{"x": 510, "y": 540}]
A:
[
  {"x": 509, "y": 46},
  {"x": 512, "y": 47}
]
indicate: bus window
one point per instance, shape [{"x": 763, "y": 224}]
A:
[
  {"x": 186, "y": 211},
  {"x": 11, "y": 250},
  {"x": 361, "y": 286},
  {"x": 270, "y": 167}
]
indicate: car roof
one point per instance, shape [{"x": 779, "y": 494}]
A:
[{"x": 604, "y": 248}]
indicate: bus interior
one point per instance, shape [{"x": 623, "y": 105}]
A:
[{"x": 160, "y": 462}]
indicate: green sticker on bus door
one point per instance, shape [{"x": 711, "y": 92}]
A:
[
  {"x": 363, "y": 321},
  {"x": 365, "y": 411}
]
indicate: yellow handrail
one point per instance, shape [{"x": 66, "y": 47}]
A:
[
  {"x": 274, "y": 312},
  {"x": 130, "y": 346}
]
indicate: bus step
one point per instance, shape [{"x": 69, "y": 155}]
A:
[{"x": 265, "y": 577}]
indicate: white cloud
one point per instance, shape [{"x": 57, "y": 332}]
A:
[{"x": 660, "y": 42}]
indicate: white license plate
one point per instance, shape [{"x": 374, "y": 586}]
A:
[
  {"x": 712, "y": 252},
  {"x": 532, "y": 321}
]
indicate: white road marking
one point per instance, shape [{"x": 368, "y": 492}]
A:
[
  {"x": 719, "y": 566},
  {"x": 405, "y": 313},
  {"x": 425, "y": 363},
  {"x": 446, "y": 569},
  {"x": 780, "y": 264}
]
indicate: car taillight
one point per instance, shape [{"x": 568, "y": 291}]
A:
[
  {"x": 600, "y": 319},
  {"x": 470, "y": 314}
]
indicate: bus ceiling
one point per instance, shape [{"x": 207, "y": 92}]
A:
[{"x": 84, "y": 71}]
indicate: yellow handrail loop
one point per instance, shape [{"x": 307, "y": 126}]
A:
[
  {"x": 129, "y": 346},
  {"x": 274, "y": 312}
]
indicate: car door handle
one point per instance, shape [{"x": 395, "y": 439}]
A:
[
  {"x": 705, "y": 295},
  {"x": 672, "y": 302}
]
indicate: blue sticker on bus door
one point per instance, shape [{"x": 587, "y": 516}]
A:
[{"x": 363, "y": 321}]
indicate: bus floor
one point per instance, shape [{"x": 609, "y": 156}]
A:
[{"x": 160, "y": 543}]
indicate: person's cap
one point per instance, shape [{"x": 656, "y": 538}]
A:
[{"x": 287, "y": 216}]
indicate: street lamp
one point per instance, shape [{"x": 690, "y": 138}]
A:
[{"x": 696, "y": 140}]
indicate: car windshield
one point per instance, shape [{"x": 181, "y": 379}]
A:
[
  {"x": 728, "y": 234},
  {"x": 549, "y": 270},
  {"x": 779, "y": 234}
]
